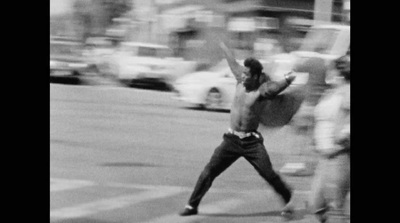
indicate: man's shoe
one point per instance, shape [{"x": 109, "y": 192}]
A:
[
  {"x": 188, "y": 211},
  {"x": 287, "y": 214},
  {"x": 322, "y": 214},
  {"x": 288, "y": 211}
]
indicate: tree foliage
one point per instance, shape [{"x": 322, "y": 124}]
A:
[
  {"x": 94, "y": 15},
  {"x": 115, "y": 8}
]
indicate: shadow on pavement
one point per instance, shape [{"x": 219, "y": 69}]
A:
[
  {"x": 66, "y": 80},
  {"x": 129, "y": 164},
  {"x": 202, "y": 109},
  {"x": 82, "y": 220},
  {"x": 149, "y": 86}
]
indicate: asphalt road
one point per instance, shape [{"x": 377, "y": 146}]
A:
[{"x": 131, "y": 155}]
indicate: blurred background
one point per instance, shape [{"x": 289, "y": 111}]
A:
[
  {"x": 184, "y": 30},
  {"x": 140, "y": 95}
]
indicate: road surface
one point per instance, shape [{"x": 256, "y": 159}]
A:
[{"x": 124, "y": 155}]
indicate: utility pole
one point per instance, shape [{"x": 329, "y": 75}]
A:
[
  {"x": 322, "y": 11},
  {"x": 346, "y": 10}
]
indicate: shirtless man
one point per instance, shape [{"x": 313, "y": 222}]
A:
[{"x": 242, "y": 138}]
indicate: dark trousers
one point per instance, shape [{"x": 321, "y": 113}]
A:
[{"x": 231, "y": 149}]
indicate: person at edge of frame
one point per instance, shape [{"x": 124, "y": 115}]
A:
[{"x": 332, "y": 143}]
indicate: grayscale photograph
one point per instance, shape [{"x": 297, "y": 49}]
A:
[{"x": 199, "y": 111}]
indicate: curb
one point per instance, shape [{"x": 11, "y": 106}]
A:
[{"x": 99, "y": 81}]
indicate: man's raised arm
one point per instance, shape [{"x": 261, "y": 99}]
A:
[
  {"x": 270, "y": 89},
  {"x": 236, "y": 68}
]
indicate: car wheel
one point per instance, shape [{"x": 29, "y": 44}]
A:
[
  {"x": 93, "y": 70},
  {"x": 213, "y": 100}
]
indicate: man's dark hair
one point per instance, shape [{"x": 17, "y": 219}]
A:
[{"x": 254, "y": 65}]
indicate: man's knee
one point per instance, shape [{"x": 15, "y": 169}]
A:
[{"x": 271, "y": 176}]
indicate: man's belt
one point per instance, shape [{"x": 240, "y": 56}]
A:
[{"x": 243, "y": 135}]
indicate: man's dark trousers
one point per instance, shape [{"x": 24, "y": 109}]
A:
[{"x": 231, "y": 149}]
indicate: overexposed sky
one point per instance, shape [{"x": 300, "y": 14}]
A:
[{"x": 60, "y": 6}]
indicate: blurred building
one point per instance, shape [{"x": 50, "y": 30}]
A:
[
  {"x": 189, "y": 24},
  {"x": 191, "y": 27},
  {"x": 60, "y": 18}
]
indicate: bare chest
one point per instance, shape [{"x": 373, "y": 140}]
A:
[{"x": 245, "y": 99}]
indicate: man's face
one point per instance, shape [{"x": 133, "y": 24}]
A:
[{"x": 248, "y": 78}]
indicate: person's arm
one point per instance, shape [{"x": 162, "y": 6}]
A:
[
  {"x": 236, "y": 68},
  {"x": 270, "y": 89},
  {"x": 343, "y": 138}
]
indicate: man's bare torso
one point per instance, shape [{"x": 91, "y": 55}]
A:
[{"x": 246, "y": 108}]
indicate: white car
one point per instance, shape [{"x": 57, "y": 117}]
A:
[
  {"x": 145, "y": 63},
  {"x": 68, "y": 62},
  {"x": 212, "y": 89}
]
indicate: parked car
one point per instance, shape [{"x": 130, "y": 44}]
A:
[
  {"x": 150, "y": 64},
  {"x": 67, "y": 61},
  {"x": 101, "y": 51}
]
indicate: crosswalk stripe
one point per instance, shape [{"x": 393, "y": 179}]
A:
[
  {"x": 66, "y": 184},
  {"x": 111, "y": 204},
  {"x": 211, "y": 208},
  {"x": 151, "y": 192}
]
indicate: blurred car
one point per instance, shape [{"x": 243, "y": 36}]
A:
[
  {"x": 101, "y": 51},
  {"x": 212, "y": 89},
  {"x": 326, "y": 42},
  {"x": 150, "y": 64},
  {"x": 67, "y": 61}
]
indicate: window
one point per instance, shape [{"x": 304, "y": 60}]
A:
[
  {"x": 147, "y": 52},
  {"x": 243, "y": 40},
  {"x": 63, "y": 49},
  {"x": 267, "y": 23},
  {"x": 144, "y": 51}
]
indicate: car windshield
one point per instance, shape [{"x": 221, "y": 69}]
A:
[
  {"x": 147, "y": 52},
  {"x": 320, "y": 40},
  {"x": 220, "y": 66}
]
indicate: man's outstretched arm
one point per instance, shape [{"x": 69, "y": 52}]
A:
[
  {"x": 270, "y": 89},
  {"x": 236, "y": 68}
]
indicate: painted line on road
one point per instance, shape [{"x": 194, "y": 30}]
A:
[
  {"x": 151, "y": 192},
  {"x": 207, "y": 210},
  {"x": 213, "y": 208},
  {"x": 111, "y": 204},
  {"x": 57, "y": 184}
]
